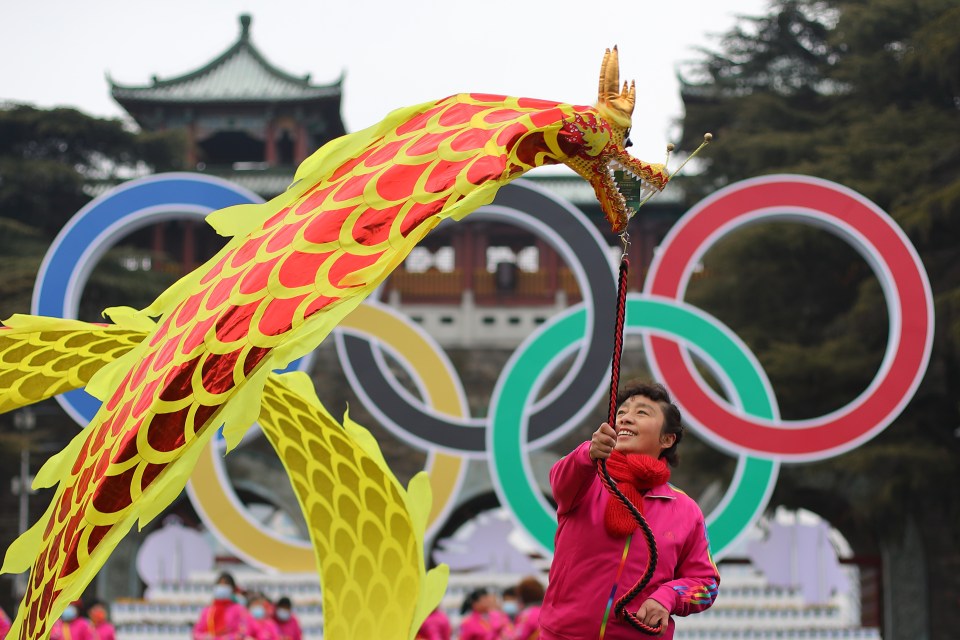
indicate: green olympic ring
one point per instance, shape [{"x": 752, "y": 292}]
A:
[{"x": 527, "y": 371}]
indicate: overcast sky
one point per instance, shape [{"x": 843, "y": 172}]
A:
[{"x": 393, "y": 54}]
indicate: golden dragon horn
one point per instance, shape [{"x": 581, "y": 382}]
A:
[
  {"x": 610, "y": 97},
  {"x": 609, "y": 76}
]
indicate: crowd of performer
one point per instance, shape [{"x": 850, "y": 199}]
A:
[
  {"x": 78, "y": 621},
  {"x": 513, "y": 615},
  {"x": 236, "y": 614}
]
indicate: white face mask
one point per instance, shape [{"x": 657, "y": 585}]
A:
[
  {"x": 283, "y": 615},
  {"x": 222, "y": 592},
  {"x": 69, "y": 614},
  {"x": 258, "y": 612},
  {"x": 510, "y": 608}
]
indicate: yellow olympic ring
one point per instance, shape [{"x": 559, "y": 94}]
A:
[{"x": 223, "y": 512}]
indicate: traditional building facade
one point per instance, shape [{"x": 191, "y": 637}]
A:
[
  {"x": 240, "y": 112},
  {"x": 472, "y": 284},
  {"x": 244, "y": 119}
]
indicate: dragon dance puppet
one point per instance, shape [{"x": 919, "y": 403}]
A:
[{"x": 204, "y": 353}]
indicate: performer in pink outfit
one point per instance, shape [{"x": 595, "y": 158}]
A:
[
  {"x": 73, "y": 626},
  {"x": 435, "y": 627},
  {"x": 261, "y": 625},
  {"x": 103, "y": 627},
  {"x": 598, "y": 554},
  {"x": 509, "y": 603},
  {"x": 527, "y": 624},
  {"x": 287, "y": 622},
  {"x": 478, "y": 623},
  {"x": 499, "y": 618},
  {"x": 225, "y": 619}
]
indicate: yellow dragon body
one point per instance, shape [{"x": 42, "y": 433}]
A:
[{"x": 292, "y": 269}]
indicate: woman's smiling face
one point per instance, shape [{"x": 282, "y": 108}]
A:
[{"x": 640, "y": 427}]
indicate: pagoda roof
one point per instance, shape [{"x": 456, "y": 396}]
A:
[{"x": 239, "y": 74}]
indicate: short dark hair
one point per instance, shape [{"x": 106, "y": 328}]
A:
[
  {"x": 284, "y": 601},
  {"x": 471, "y": 599},
  {"x": 228, "y": 578},
  {"x": 672, "y": 422},
  {"x": 530, "y": 591}
]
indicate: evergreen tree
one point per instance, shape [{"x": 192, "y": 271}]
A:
[
  {"x": 51, "y": 162},
  {"x": 865, "y": 93}
]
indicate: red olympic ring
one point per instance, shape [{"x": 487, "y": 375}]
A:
[{"x": 896, "y": 264}]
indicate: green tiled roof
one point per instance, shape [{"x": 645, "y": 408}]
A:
[{"x": 240, "y": 74}]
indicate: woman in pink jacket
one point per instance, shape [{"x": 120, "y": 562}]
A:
[
  {"x": 223, "y": 619},
  {"x": 479, "y": 624},
  {"x": 527, "y": 624},
  {"x": 435, "y": 627},
  {"x": 261, "y": 625},
  {"x": 287, "y": 622},
  {"x": 72, "y": 625},
  {"x": 98, "y": 616},
  {"x": 599, "y": 555}
]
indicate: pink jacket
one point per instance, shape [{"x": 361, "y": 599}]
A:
[
  {"x": 587, "y": 560},
  {"x": 527, "y": 623},
  {"x": 501, "y": 622},
  {"x": 5, "y": 624},
  {"x": 105, "y": 631},
  {"x": 480, "y": 627},
  {"x": 435, "y": 627},
  {"x": 290, "y": 629},
  {"x": 265, "y": 629},
  {"x": 76, "y": 629}
]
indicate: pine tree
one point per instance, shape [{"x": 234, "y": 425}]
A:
[{"x": 865, "y": 93}]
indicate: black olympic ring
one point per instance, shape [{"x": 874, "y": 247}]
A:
[{"x": 566, "y": 230}]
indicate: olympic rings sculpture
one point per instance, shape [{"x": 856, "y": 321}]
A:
[{"x": 747, "y": 425}]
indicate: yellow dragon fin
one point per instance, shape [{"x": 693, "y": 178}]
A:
[{"x": 367, "y": 531}]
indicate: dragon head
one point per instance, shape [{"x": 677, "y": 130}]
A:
[{"x": 598, "y": 140}]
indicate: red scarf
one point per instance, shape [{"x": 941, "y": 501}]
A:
[
  {"x": 217, "y": 616},
  {"x": 634, "y": 473}
]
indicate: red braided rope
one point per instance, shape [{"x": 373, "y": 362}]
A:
[
  {"x": 618, "y": 340},
  {"x": 620, "y": 607}
]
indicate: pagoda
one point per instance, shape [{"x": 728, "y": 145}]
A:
[{"x": 245, "y": 119}]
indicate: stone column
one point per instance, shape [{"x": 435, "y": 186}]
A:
[
  {"x": 549, "y": 263},
  {"x": 189, "y": 247},
  {"x": 300, "y": 150},
  {"x": 270, "y": 151}
]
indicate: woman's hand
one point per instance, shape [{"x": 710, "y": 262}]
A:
[
  {"x": 652, "y": 613},
  {"x": 602, "y": 442}
]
